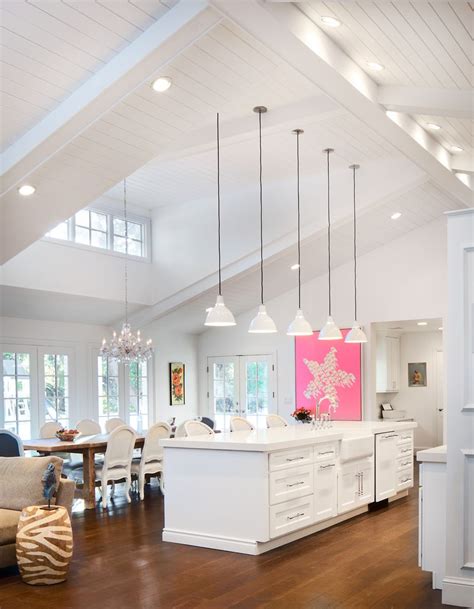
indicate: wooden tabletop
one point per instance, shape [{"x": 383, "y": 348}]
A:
[{"x": 54, "y": 445}]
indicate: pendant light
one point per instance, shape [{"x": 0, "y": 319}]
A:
[
  {"x": 299, "y": 326},
  {"x": 219, "y": 315},
  {"x": 330, "y": 331},
  {"x": 355, "y": 334},
  {"x": 262, "y": 323}
]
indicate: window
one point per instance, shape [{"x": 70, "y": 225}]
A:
[
  {"x": 17, "y": 393},
  {"x": 106, "y": 231},
  {"x": 138, "y": 395},
  {"x": 108, "y": 388},
  {"x": 56, "y": 388}
]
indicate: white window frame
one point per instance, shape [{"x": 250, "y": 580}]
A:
[{"x": 42, "y": 351}]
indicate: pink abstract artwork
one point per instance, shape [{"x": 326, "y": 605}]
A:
[{"x": 331, "y": 370}]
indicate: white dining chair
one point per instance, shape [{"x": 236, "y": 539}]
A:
[
  {"x": 49, "y": 429},
  {"x": 117, "y": 461},
  {"x": 240, "y": 424},
  {"x": 275, "y": 420},
  {"x": 151, "y": 460},
  {"x": 180, "y": 430},
  {"x": 197, "y": 428},
  {"x": 113, "y": 423},
  {"x": 88, "y": 427}
]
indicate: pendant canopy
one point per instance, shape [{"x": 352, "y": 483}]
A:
[
  {"x": 299, "y": 326},
  {"x": 219, "y": 315},
  {"x": 262, "y": 323},
  {"x": 330, "y": 331},
  {"x": 356, "y": 334}
]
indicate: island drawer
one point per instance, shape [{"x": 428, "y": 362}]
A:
[
  {"x": 291, "y": 515},
  {"x": 291, "y": 483},
  {"x": 405, "y": 450},
  {"x": 405, "y": 437},
  {"x": 324, "y": 452},
  {"x": 405, "y": 478},
  {"x": 287, "y": 458},
  {"x": 404, "y": 462}
]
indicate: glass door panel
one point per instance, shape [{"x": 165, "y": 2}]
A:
[
  {"x": 223, "y": 389},
  {"x": 18, "y": 376},
  {"x": 257, "y": 391}
]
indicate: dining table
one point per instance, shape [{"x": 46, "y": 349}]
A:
[{"x": 88, "y": 446}]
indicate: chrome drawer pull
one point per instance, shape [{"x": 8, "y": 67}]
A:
[
  {"x": 393, "y": 435},
  {"x": 295, "y": 484},
  {"x": 407, "y": 450},
  {"x": 327, "y": 452},
  {"x": 326, "y": 466},
  {"x": 295, "y": 516},
  {"x": 406, "y": 463},
  {"x": 405, "y": 480},
  {"x": 294, "y": 458}
]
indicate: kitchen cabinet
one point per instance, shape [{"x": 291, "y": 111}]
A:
[
  {"x": 386, "y": 465},
  {"x": 355, "y": 485},
  {"x": 388, "y": 364},
  {"x": 325, "y": 490}
]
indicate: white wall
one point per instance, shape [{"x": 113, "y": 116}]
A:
[
  {"x": 420, "y": 403},
  {"x": 406, "y": 279}
]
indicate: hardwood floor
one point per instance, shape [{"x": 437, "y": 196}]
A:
[{"x": 120, "y": 562}]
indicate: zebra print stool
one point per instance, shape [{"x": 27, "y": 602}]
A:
[{"x": 44, "y": 544}]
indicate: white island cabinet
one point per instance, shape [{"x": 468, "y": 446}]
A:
[{"x": 252, "y": 491}]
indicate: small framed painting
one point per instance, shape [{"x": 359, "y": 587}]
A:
[
  {"x": 417, "y": 374},
  {"x": 177, "y": 384}
]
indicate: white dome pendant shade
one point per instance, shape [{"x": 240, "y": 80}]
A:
[
  {"x": 219, "y": 315},
  {"x": 355, "y": 334},
  {"x": 330, "y": 331},
  {"x": 262, "y": 323},
  {"x": 299, "y": 326}
]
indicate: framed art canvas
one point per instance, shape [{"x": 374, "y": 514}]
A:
[
  {"x": 329, "y": 373},
  {"x": 417, "y": 374},
  {"x": 177, "y": 384}
]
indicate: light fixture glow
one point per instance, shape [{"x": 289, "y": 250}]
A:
[
  {"x": 422, "y": 323},
  {"x": 396, "y": 215},
  {"x": 209, "y": 309},
  {"x": 433, "y": 126},
  {"x": 219, "y": 315},
  {"x": 161, "y": 84},
  {"x": 457, "y": 149},
  {"x": 440, "y": 328},
  {"x": 26, "y": 190},
  {"x": 376, "y": 67},
  {"x": 331, "y": 21},
  {"x": 295, "y": 267}
]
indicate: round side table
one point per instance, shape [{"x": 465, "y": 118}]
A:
[{"x": 44, "y": 544}]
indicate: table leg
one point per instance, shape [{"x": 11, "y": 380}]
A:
[{"x": 88, "y": 490}]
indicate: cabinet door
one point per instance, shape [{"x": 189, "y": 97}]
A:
[
  {"x": 347, "y": 491},
  {"x": 382, "y": 365},
  {"x": 366, "y": 494},
  {"x": 385, "y": 465},
  {"x": 325, "y": 491},
  {"x": 394, "y": 364}
]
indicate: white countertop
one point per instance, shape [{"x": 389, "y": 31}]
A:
[
  {"x": 380, "y": 426},
  {"x": 438, "y": 454}
]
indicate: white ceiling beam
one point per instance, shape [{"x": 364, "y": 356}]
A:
[
  {"x": 463, "y": 163},
  {"x": 127, "y": 71},
  {"x": 455, "y": 103},
  {"x": 288, "y": 32}
]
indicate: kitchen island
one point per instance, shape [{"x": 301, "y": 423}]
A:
[{"x": 252, "y": 491}]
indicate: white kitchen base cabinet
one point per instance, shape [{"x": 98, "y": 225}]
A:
[
  {"x": 355, "y": 485},
  {"x": 386, "y": 477},
  {"x": 325, "y": 491}
]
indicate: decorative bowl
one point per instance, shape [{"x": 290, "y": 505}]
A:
[{"x": 67, "y": 435}]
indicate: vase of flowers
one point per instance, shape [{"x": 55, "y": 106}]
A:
[{"x": 302, "y": 414}]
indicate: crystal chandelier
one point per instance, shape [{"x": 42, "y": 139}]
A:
[{"x": 127, "y": 347}]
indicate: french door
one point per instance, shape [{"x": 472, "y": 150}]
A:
[{"x": 241, "y": 385}]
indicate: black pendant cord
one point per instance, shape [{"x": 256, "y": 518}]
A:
[
  {"x": 219, "y": 204},
  {"x": 261, "y": 205},
  {"x": 298, "y": 133},
  {"x": 354, "y": 168},
  {"x": 126, "y": 246},
  {"x": 328, "y": 152}
]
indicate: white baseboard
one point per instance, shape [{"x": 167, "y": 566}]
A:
[
  {"x": 458, "y": 591},
  {"x": 247, "y": 546}
]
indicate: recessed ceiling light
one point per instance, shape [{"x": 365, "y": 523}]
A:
[
  {"x": 396, "y": 215},
  {"x": 26, "y": 190},
  {"x": 295, "y": 267},
  {"x": 440, "y": 328},
  {"x": 161, "y": 84},
  {"x": 422, "y": 323},
  {"x": 457, "y": 149},
  {"x": 376, "y": 67},
  {"x": 433, "y": 126},
  {"x": 331, "y": 21}
]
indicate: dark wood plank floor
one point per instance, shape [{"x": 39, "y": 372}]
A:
[{"x": 120, "y": 562}]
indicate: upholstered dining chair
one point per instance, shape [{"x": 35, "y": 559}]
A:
[
  {"x": 275, "y": 420},
  {"x": 113, "y": 423},
  {"x": 117, "y": 463},
  {"x": 10, "y": 444},
  {"x": 197, "y": 428},
  {"x": 49, "y": 429},
  {"x": 240, "y": 424},
  {"x": 151, "y": 461},
  {"x": 88, "y": 427},
  {"x": 180, "y": 430},
  {"x": 208, "y": 422}
]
